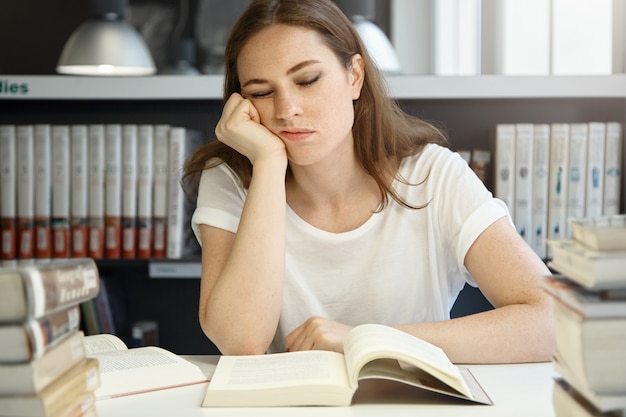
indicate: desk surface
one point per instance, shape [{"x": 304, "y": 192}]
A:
[{"x": 517, "y": 390}]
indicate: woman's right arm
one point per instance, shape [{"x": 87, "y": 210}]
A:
[{"x": 242, "y": 273}]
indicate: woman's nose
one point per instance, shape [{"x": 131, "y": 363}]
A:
[{"x": 286, "y": 106}]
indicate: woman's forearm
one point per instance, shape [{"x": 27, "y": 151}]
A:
[{"x": 244, "y": 303}]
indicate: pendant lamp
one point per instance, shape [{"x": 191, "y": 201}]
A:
[{"x": 106, "y": 45}]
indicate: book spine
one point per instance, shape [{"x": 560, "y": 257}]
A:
[
  {"x": 145, "y": 153},
  {"x": 78, "y": 383},
  {"x": 181, "y": 243},
  {"x": 47, "y": 331},
  {"x": 175, "y": 201},
  {"x": 60, "y": 221},
  {"x": 160, "y": 196},
  {"x": 25, "y": 194},
  {"x": 505, "y": 165},
  {"x": 33, "y": 377},
  {"x": 129, "y": 191},
  {"x": 43, "y": 192},
  {"x": 79, "y": 186},
  {"x": 56, "y": 285},
  {"x": 594, "y": 176},
  {"x": 613, "y": 168},
  {"x": 558, "y": 181},
  {"x": 113, "y": 192},
  {"x": 541, "y": 162},
  {"x": 95, "y": 207},
  {"x": 74, "y": 389},
  {"x": 524, "y": 134},
  {"x": 579, "y": 138},
  {"x": 8, "y": 203}
]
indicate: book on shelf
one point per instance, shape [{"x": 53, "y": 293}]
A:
[
  {"x": 523, "y": 186},
  {"x": 329, "y": 378},
  {"x": 505, "y": 165},
  {"x": 558, "y": 180},
  {"x": 145, "y": 180},
  {"x": 25, "y": 193},
  {"x": 594, "y": 175},
  {"x": 145, "y": 333},
  {"x": 181, "y": 242},
  {"x": 28, "y": 340},
  {"x": 160, "y": 190},
  {"x": 43, "y": 190},
  {"x": 576, "y": 188},
  {"x": 104, "y": 308},
  {"x": 95, "y": 207},
  {"x": 539, "y": 204},
  {"x": 61, "y": 163},
  {"x": 90, "y": 324},
  {"x": 604, "y": 233},
  {"x": 113, "y": 192},
  {"x": 568, "y": 402},
  {"x": 480, "y": 163},
  {"x": 8, "y": 204},
  {"x": 125, "y": 371},
  {"x": 29, "y": 378},
  {"x": 32, "y": 291},
  {"x": 589, "y": 268},
  {"x": 74, "y": 389},
  {"x": 79, "y": 180},
  {"x": 613, "y": 168},
  {"x": 129, "y": 191}
]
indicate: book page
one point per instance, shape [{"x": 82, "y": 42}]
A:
[
  {"x": 371, "y": 341},
  {"x": 132, "y": 371},
  {"x": 280, "y": 369},
  {"x": 98, "y": 343}
]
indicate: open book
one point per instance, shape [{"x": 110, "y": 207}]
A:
[
  {"x": 126, "y": 371},
  {"x": 372, "y": 351}
]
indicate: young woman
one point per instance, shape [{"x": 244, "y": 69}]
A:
[{"x": 322, "y": 206}]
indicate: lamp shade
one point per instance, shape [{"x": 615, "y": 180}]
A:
[
  {"x": 106, "y": 46},
  {"x": 378, "y": 45}
]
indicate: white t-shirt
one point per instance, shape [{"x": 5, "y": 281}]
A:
[{"x": 401, "y": 266}]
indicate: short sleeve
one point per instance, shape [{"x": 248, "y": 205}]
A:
[{"x": 220, "y": 200}]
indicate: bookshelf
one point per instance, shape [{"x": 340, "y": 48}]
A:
[{"x": 468, "y": 107}]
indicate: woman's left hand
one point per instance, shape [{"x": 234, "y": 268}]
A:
[{"x": 318, "y": 333}]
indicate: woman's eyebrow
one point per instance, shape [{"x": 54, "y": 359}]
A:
[{"x": 290, "y": 71}]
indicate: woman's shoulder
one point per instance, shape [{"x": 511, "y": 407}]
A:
[{"x": 432, "y": 157}]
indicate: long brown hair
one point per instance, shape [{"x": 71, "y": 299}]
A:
[{"x": 383, "y": 133}]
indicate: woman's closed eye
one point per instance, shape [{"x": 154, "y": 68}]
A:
[{"x": 307, "y": 82}]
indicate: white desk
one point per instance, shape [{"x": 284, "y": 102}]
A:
[{"x": 522, "y": 390}]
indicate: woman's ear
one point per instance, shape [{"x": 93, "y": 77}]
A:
[{"x": 357, "y": 75}]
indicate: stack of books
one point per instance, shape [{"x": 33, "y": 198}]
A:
[
  {"x": 44, "y": 368},
  {"x": 590, "y": 318}
]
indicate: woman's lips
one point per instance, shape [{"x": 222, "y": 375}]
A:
[{"x": 296, "y": 135}]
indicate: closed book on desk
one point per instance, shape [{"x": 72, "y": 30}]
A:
[
  {"x": 73, "y": 389},
  {"x": 569, "y": 403},
  {"x": 32, "y": 377},
  {"x": 604, "y": 233},
  {"x": 589, "y": 268},
  {"x": 329, "y": 378},
  {"x": 25, "y": 341},
  {"x": 36, "y": 290},
  {"x": 602, "y": 402},
  {"x": 592, "y": 348}
]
